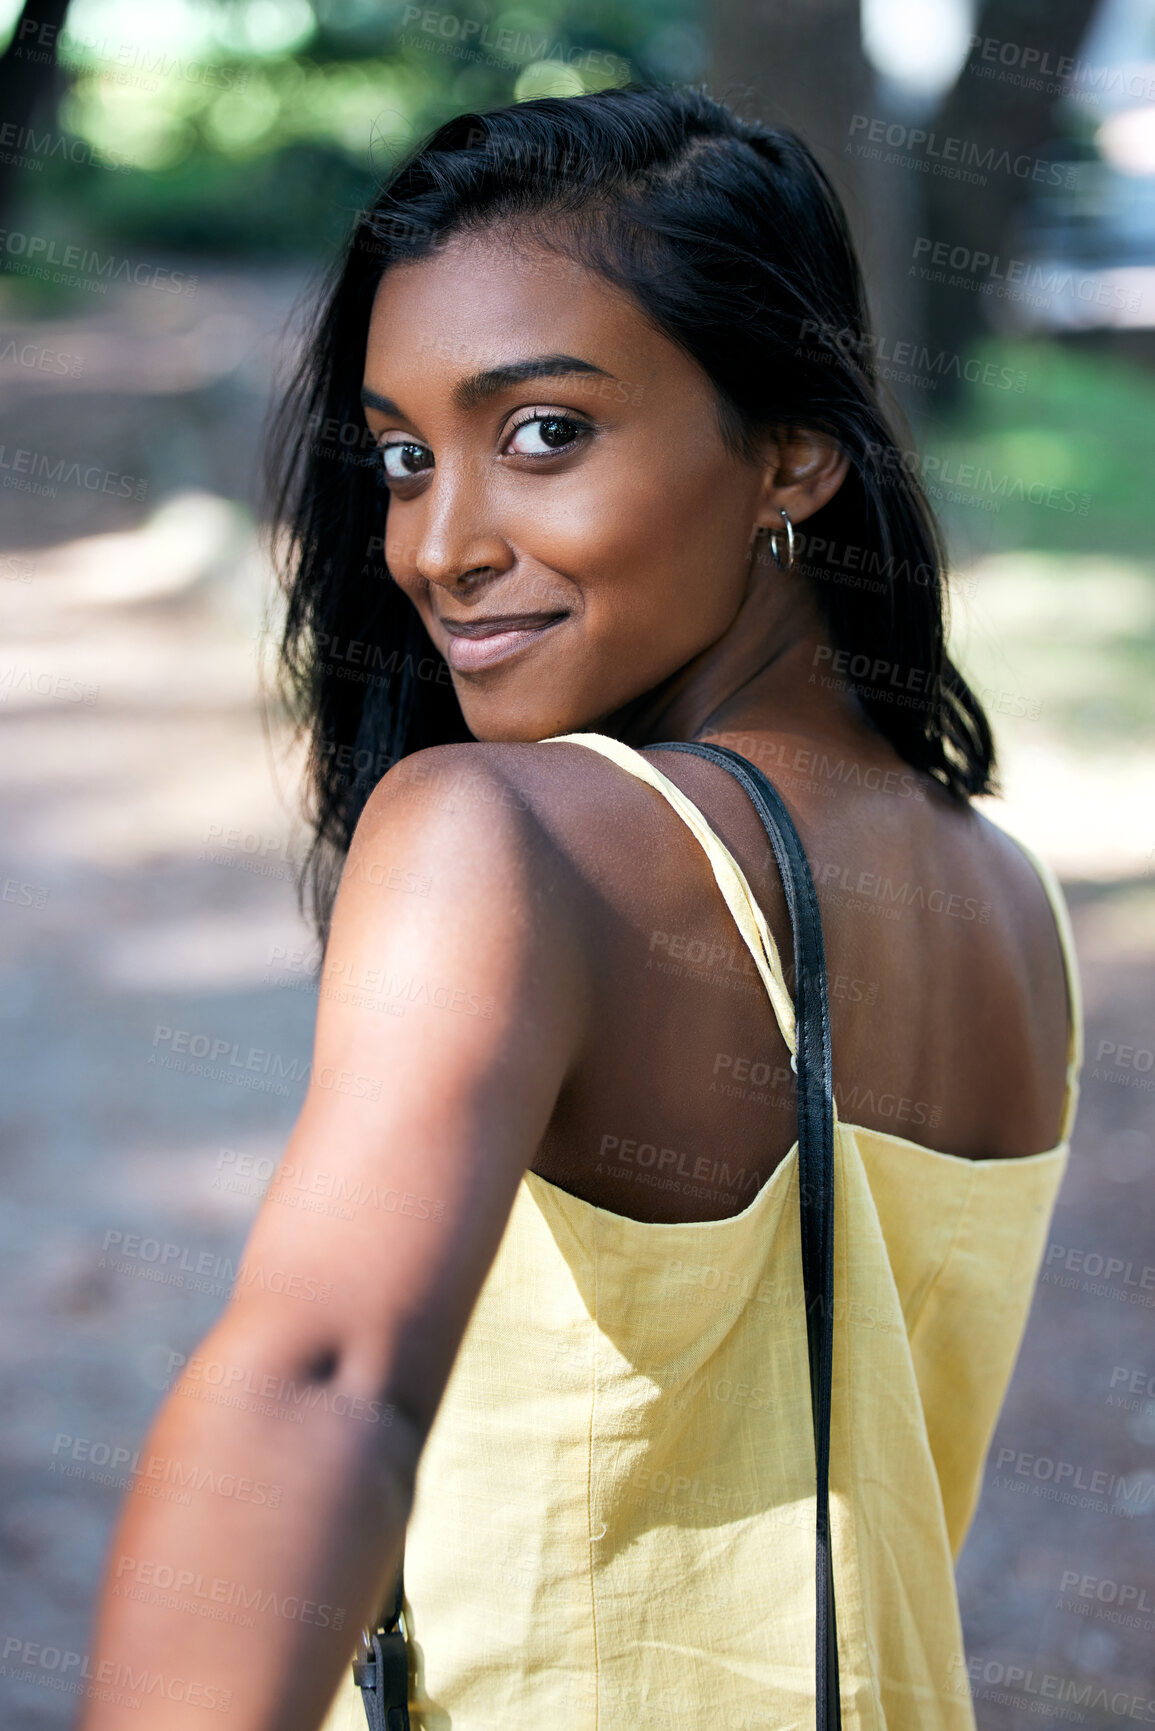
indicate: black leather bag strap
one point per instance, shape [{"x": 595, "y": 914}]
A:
[
  {"x": 381, "y": 1669},
  {"x": 815, "y": 1173}
]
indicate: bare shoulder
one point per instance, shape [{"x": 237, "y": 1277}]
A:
[
  {"x": 545, "y": 803},
  {"x": 453, "y": 832},
  {"x": 552, "y": 832},
  {"x": 1028, "y": 1001},
  {"x": 469, "y": 781},
  {"x": 471, "y": 803},
  {"x": 1024, "y": 897}
]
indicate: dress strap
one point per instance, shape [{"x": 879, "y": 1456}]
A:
[
  {"x": 728, "y": 874},
  {"x": 1058, "y": 901}
]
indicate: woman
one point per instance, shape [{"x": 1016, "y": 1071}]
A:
[{"x": 582, "y": 448}]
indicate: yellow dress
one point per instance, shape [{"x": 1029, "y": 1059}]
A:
[{"x": 614, "y": 1516}]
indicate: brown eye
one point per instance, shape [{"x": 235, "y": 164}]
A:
[
  {"x": 402, "y": 460},
  {"x": 548, "y": 433}
]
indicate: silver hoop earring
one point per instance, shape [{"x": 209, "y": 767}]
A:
[{"x": 773, "y": 533}]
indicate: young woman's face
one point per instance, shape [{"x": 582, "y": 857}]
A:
[{"x": 562, "y": 511}]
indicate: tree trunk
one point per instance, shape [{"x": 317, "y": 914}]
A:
[
  {"x": 800, "y": 63},
  {"x": 29, "y": 84},
  {"x": 988, "y": 111}
]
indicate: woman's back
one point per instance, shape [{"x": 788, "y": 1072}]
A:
[
  {"x": 946, "y": 978},
  {"x": 615, "y": 1520}
]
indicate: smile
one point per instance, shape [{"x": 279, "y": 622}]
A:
[{"x": 487, "y": 642}]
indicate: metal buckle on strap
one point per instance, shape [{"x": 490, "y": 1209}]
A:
[{"x": 381, "y": 1672}]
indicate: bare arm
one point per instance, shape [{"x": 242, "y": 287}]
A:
[{"x": 337, "y": 1343}]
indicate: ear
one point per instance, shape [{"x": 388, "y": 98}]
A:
[{"x": 803, "y": 470}]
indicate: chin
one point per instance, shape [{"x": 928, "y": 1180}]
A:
[
  {"x": 525, "y": 723},
  {"x": 498, "y": 732}
]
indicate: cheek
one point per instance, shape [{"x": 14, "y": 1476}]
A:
[
  {"x": 400, "y": 549},
  {"x": 662, "y": 566}
]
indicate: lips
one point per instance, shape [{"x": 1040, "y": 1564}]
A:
[{"x": 482, "y": 643}]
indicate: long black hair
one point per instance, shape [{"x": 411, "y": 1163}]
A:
[{"x": 731, "y": 240}]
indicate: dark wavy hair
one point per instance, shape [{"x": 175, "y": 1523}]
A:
[{"x": 732, "y": 242}]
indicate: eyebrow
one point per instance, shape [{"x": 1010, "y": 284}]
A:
[{"x": 471, "y": 392}]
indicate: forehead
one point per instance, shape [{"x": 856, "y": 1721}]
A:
[{"x": 482, "y": 300}]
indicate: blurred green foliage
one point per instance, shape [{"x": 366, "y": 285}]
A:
[
  {"x": 256, "y": 127},
  {"x": 1060, "y": 631},
  {"x": 1062, "y": 643},
  {"x": 1082, "y": 429}
]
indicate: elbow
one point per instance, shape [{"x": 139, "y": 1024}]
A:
[{"x": 312, "y": 1381}]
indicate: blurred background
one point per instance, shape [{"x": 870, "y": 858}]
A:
[{"x": 172, "y": 178}]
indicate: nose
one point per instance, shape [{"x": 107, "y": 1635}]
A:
[{"x": 453, "y": 532}]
